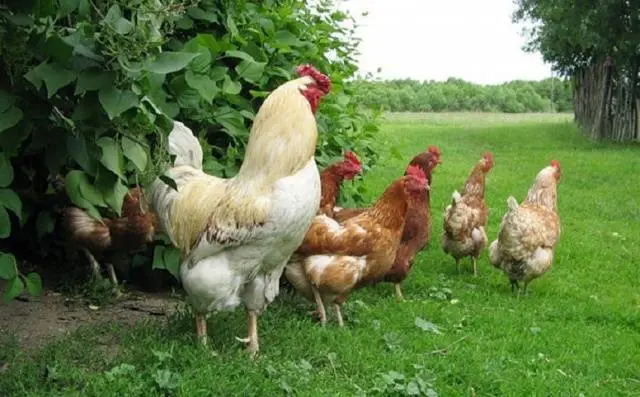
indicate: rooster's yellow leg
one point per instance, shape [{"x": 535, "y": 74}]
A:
[
  {"x": 321, "y": 312},
  {"x": 458, "y": 265},
  {"x": 475, "y": 268},
  {"x": 201, "y": 328},
  {"x": 336, "y": 307},
  {"x": 399, "y": 292},
  {"x": 252, "y": 322}
]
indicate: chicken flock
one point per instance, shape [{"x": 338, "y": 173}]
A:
[{"x": 277, "y": 221}]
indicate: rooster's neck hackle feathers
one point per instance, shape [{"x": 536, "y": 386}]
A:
[{"x": 283, "y": 137}]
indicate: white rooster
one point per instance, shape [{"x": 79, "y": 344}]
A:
[{"x": 236, "y": 235}]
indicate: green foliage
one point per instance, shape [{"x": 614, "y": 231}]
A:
[
  {"x": 94, "y": 85},
  {"x": 571, "y": 35},
  {"x": 16, "y": 281},
  {"x": 549, "y": 95}
]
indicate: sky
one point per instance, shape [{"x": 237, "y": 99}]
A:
[{"x": 473, "y": 40}]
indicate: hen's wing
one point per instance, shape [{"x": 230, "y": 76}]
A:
[
  {"x": 463, "y": 217},
  {"x": 327, "y": 236},
  {"x": 529, "y": 227},
  {"x": 347, "y": 213}
]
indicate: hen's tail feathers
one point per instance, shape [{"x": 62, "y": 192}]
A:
[
  {"x": 86, "y": 230},
  {"x": 185, "y": 146},
  {"x": 494, "y": 254},
  {"x": 455, "y": 198},
  {"x": 512, "y": 204}
]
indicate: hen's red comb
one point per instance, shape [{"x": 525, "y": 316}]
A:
[
  {"x": 434, "y": 150},
  {"x": 555, "y": 164},
  {"x": 323, "y": 82},
  {"x": 416, "y": 172},
  {"x": 351, "y": 157}
]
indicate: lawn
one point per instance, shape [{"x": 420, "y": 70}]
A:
[{"x": 576, "y": 333}]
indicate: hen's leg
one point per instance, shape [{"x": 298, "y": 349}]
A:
[
  {"x": 336, "y": 307},
  {"x": 458, "y": 265},
  {"x": 475, "y": 269},
  {"x": 95, "y": 266},
  {"x": 524, "y": 289},
  {"x": 112, "y": 275},
  {"x": 201, "y": 328},
  {"x": 399, "y": 292},
  {"x": 514, "y": 286},
  {"x": 252, "y": 322},
  {"x": 321, "y": 312}
]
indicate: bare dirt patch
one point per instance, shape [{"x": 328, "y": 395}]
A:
[{"x": 37, "y": 321}]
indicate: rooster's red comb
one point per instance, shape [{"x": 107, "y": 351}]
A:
[
  {"x": 555, "y": 164},
  {"x": 434, "y": 150},
  {"x": 323, "y": 82},
  {"x": 416, "y": 172},
  {"x": 351, "y": 157}
]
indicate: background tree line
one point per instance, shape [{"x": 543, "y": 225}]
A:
[{"x": 406, "y": 95}]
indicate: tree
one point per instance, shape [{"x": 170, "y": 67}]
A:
[{"x": 596, "y": 43}]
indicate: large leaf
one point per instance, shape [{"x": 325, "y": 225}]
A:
[
  {"x": 135, "y": 152},
  {"x": 112, "y": 189},
  {"x": 199, "y": 13},
  {"x": 66, "y": 7},
  {"x": 168, "y": 62},
  {"x": 5, "y": 223},
  {"x": 58, "y": 49},
  {"x": 187, "y": 97},
  {"x": 111, "y": 156},
  {"x": 231, "y": 25},
  {"x": 202, "y": 62},
  {"x": 8, "y": 269},
  {"x": 115, "y": 101},
  {"x": 203, "y": 84},
  {"x": 10, "y": 200},
  {"x": 250, "y": 70},
  {"x": 78, "y": 150},
  {"x": 54, "y": 76},
  {"x": 92, "y": 80},
  {"x": 14, "y": 288},
  {"x": 239, "y": 54},
  {"x": 233, "y": 122},
  {"x": 6, "y": 101},
  {"x": 158, "y": 257},
  {"x": 231, "y": 87},
  {"x": 6, "y": 171},
  {"x": 209, "y": 41},
  {"x": 285, "y": 37},
  {"x": 10, "y": 117},
  {"x": 34, "y": 284},
  {"x": 75, "y": 182},
  {"x": 171, "y": 259},
  {"x": 115, "y": 21}
]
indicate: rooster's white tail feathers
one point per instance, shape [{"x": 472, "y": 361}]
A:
[{"x": 185, "y": 146}]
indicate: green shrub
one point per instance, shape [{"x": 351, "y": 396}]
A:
[{"x": 88, "y": 88}]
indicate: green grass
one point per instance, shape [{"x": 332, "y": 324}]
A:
[{"x": 576, "y": 333}]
